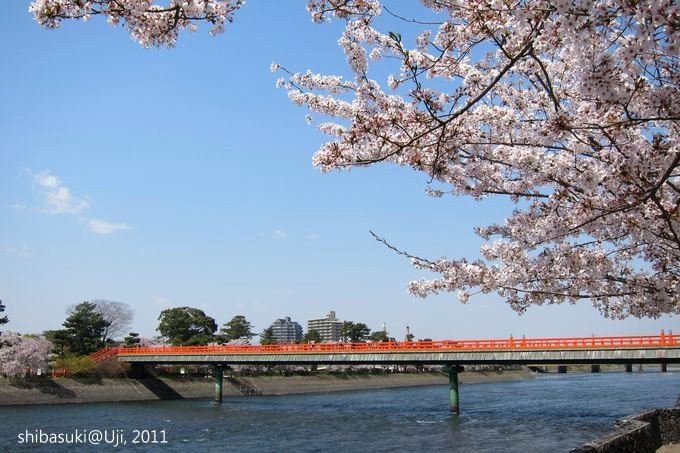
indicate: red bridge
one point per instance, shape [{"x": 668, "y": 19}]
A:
[{"x": 662, "y": 349}]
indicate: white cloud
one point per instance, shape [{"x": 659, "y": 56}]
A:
[
  {"x": 62, "y": 201},
  {"x": 278, "y": 234},
  {"x": 46, "y": 180},
  {"x": 59, "y": 198},
  {"x": 23, "y": 251},
  {"x": 103, "y": 227}
]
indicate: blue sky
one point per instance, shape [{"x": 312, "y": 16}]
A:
[{"x": 183, "y": 177}]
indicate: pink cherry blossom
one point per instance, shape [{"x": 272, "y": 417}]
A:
[
  {"x": 570, "y": 108},
  {"x": 149, "y": 24},
  {"x": 20, "y": 355}
]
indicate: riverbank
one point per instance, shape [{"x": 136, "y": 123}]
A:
[
  {"x": 653, "y": 431},
  {"x": 95, "y": 390}
]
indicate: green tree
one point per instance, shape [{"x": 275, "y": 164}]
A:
[
  {"x": 60, "y": 340},
  {"x": 267, "y": 336},
  {"x": 379, "y": 335},
  {"x": 354, "y": 332},
  {"x": 132, "y": 340},
  {"x": 186, "y": 326},
  {"x": 312, "y": 336},
  {"x": 85, "y": 328},
  {"x": 4, "y": 319},
  {"x": 236, "y": 329},
  {"x": 201, "y": 340}
]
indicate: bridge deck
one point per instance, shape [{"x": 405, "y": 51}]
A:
[{"x": 664, "y": 348}]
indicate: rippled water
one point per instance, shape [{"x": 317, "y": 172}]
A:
[{"x": 550, "y": 413}]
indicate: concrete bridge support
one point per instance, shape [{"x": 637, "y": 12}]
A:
[
  {"x": 594, "y": 368},
  {"x": 562, "y": 369},
  {"x": 454, "y": 402},
  {"x": 664, "y": 367},
  {"x": 629, "y": 367},
  {"x": 218, "y": 374}
]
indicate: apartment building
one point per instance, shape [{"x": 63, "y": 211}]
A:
[
  {"x": 286, "y": 331},
  {"x": 329, "y": 327}
]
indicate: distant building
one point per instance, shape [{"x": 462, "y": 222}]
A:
[
  {"x": 329, "y": 328},
  {"x": 286, "y": 331}
]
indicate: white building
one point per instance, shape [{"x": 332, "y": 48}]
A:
[{"x": 329, "y": 328}]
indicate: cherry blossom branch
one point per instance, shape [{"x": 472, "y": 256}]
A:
[
  {"x": 568, "y": 106},
  {"x": 148, "y": 23}
]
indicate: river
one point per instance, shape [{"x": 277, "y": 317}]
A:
[{"x": 551, "y": 413}]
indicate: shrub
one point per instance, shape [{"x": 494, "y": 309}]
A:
[{"x": 76, "y": 365}]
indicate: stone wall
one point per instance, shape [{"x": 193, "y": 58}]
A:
[
  {"x": 149, "y": 387},
  {"x": 143, "y": 388},
  {"x": 669, "y": 424},
  {"x": 642, "y": 433}
]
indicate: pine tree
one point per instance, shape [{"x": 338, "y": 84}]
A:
[
  {"x": 267, "y": 336},
  {"x": 4, "y": 319},
  {"x": 236, "y": 329},
  {"x": 132, "y": 340},
  {"x": 85, "y": 328}
]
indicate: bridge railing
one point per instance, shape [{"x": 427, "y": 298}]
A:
[
  {"x": 104, "y": 354},
  {"x": 637, "y": 341}
]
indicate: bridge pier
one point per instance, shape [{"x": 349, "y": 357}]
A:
[
  {"x": 629, "y": 367},
  {"x": 218, "y": 373},
  {"x": 562, "y": 369},
  {"x": 594, "y": 368},
  {"x": 664, "y": 367},
  {"x": 454, "y": 402}
]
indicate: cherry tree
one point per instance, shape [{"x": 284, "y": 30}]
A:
[
  {"x": 569, "y": 108},
  {"x": 148, "y": 23},
  {"x": 20, "y": 354}
]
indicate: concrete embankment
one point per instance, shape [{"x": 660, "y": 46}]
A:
[
  {"x": 93, "y": 390},
  {"x": 657, "y": 430}
]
